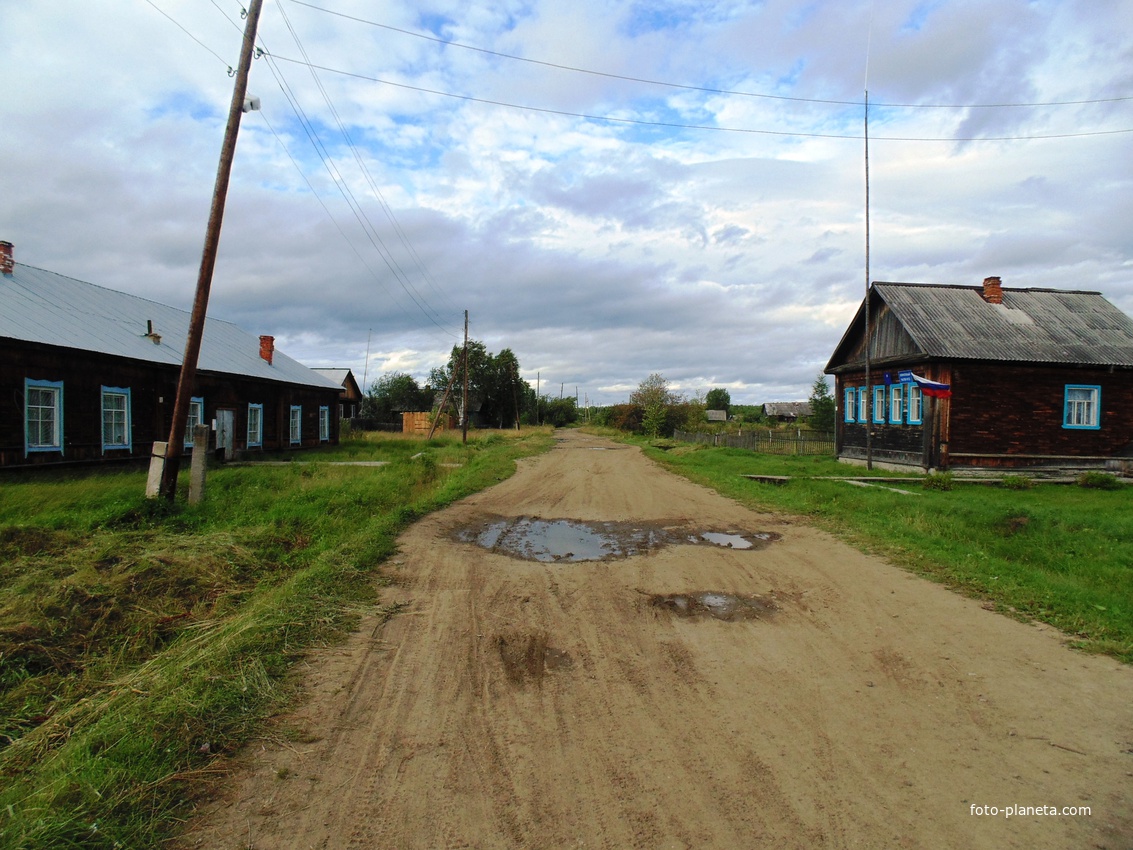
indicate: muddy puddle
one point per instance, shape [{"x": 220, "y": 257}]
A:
[
  {"x": 719, "y": 606},
  {"x": 549, "y": 540}
]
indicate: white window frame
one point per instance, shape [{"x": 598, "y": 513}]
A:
[
  {"x": 878, "y": 411},
  {"x": 126, "y": 419},
  {"x": 896, "y": 404},
  {"x": 196, "y": 417},
  {"x": 255, "y": 426},
  {"x": 44, "y": 391},
  {"x": 296, "y": 424},
  {"x": 915, "y": 405},
  {"x": 1083, "y": 411},
  {"x": 324, "y": 424},
  {"x": 862, "y": 399},
  {"x": 850, "y": 403}
]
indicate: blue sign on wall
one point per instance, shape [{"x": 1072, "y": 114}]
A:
[{"x": 905, "y": 375}]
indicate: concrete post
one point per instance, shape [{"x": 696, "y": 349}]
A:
[
  {"x": 156, "y": 467},
  {"x": 199, "y": 464}
]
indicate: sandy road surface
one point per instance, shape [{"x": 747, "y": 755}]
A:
[{"x": 523, "y": 704}]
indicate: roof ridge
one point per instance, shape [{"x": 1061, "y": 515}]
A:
[{"x": 979, "y": 287}]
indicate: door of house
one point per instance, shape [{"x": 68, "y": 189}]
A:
[{"x": 225, "y": 423}]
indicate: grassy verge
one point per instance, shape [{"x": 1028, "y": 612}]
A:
[
  {"x": 138, "y": 643},
  {"x": 1062, "y": 554}
]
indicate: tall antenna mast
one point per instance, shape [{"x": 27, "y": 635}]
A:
[
  {"x": 868, "y": 341},
  {"x": 366, "y": 367}
]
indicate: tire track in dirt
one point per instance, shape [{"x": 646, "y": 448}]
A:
[{"x": 525, "y": 704}]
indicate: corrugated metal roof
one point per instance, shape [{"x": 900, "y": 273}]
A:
[
  {"x": 337, "y": 375},
  {"x": 52, "y": 309},
  {"x": 1031, "y": 325}
]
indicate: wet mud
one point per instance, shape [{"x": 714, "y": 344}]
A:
[
  {"x": 718, "y": 606},
  {"x": 527, "y": 657}
]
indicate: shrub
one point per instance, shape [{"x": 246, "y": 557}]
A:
[
  {"x": 1098, "y": 481},
  {"x": 1017, "y": 482},
  {"x": 938, "y": 481}
]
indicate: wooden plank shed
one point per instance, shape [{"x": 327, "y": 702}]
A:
[
  {"x": 88, "y": 374},
  {"x": 985, "y": 377}
]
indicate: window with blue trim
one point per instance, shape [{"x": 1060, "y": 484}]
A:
[
  {"x": 916, "y": 405},
  {"x": 896, "y": 404},
  {"x": 862, "y": 399},
  {"x": 879, "y": 404},
  {"x": 324, "y": 424},
  {"x": 296, "y": 424},
  {"x": 1082, "y": 407},
  {"x": 849, "y": 404},
  {"x": 255, "y": 425},
  {"x": 116, "y": 425},
  {"x": 43, "y": 416},
  {"x": 196, "y": 417}
]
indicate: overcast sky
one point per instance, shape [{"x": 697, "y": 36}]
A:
[{"x": 611, "y": 189}]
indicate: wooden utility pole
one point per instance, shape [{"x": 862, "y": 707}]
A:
[
  {"x": 208, "y": 261},
  {"x": 464, "y": 429}
]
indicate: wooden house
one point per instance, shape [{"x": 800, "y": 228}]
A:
[
  {"x": 985, "y": 377},
  {"x": 88, "y": 374},
  {"x": 350, "y": 394},
  {"x": 786, "y": 411}
]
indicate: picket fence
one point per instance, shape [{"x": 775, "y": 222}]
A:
[{"x": 792, "y": 442}]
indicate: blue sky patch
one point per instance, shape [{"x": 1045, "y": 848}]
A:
[{"x": 180, "y": 104}]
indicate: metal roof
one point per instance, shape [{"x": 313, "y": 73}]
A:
[
  {"x": 1031, "y": 325},
  {"x": 919, "y": 320},
  {"x": 332, "y": 373},
  {"x": 787, "y": 408},
  {"x": 44, "y": 307}
]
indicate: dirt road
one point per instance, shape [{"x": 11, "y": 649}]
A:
[{"x": 833, "y": 701}]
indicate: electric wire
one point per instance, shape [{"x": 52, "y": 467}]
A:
[
  {"x": 335, "y": 176},
  {"x": 347, "y": 196},
  {"x": 704, "y": 89},
  {"x": 364, "y": 169},
  {"x": 706, "y": 127},
  {"x": 197, "y": 40}
]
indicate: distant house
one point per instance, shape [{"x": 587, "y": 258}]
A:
[
  {"x": 982, "y": 376},
  {"x": 786, "y": 411},
  {"x": 350, "y": 394},
  {"x": 88, "y": 374},
  {"x": 716, "y": 415}
]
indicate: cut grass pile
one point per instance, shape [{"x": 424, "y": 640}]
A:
[
  {"x": 1061, "y": 554},
  {"x": 139, "y": 642}
]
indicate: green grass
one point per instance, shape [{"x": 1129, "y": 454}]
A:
[
  {"x": 1061, "y": 554},
  {"x": 139, "y": 642}
]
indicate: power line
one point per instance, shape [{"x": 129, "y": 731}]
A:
[
  {"x": 335, "y": 176},
  {"x": 391, "y": 261},
  {"x": 706, "y": 127},
  {"x": 703, "y": 89}
]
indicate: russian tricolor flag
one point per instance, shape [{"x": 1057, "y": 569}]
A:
[{"x": 933, "y": 389}]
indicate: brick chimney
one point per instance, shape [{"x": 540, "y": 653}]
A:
[
  {"x": 7, "y": 259},
  {"x": 267, "y": 348},
  {"x": 993, "y": 290}
]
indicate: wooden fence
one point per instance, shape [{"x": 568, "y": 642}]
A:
[{"x": 790, "y": 442}]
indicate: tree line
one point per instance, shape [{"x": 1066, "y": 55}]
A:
[
  {"x": 498, "y": 397},
  {"x": 656, "y": 410}
]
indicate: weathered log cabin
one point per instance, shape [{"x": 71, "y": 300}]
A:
[
  {"x": 985, "y": 377},
  {"x": 350, "y": 396},
  {"x": 89, "y": 375}
]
